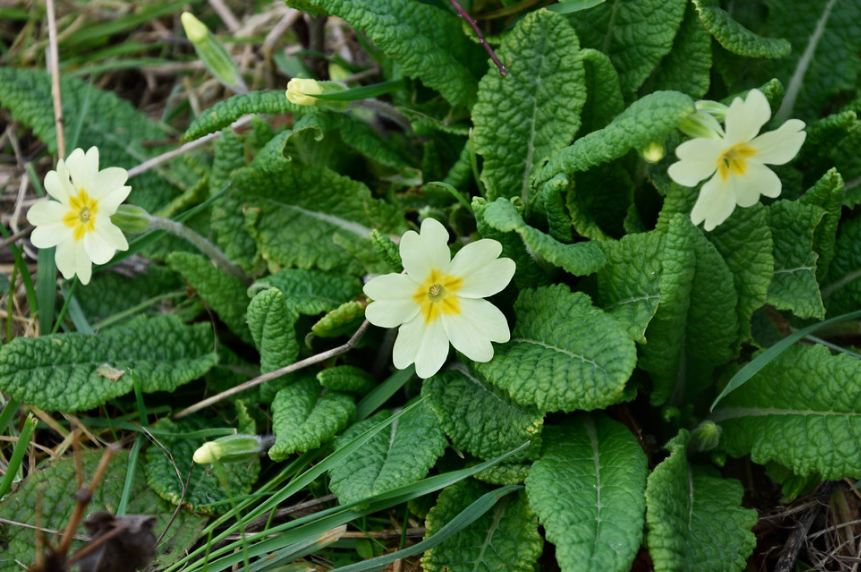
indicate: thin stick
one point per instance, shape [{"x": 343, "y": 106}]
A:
[
  {"x": 226, "y": 15},
  {"x": 474, "y": 25},
  {"x": 261, "y": 379},
  {"x": 191, "y": 145},
  {"x": 54, "y": 63},
  {"x": 20, "y": 234}
]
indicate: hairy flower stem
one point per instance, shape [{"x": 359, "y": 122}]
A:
[
  {"x": 472, "y": 24},
  {"x": 201, "y": 243}
]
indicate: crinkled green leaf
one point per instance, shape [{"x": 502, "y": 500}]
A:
[
  {"x": 599, "y": 200},
  {"x": 347, "y": 378},
  {"x": 60, "y": 372},
  {"x": 557, "y": 367},
  {"x": 629, "y": 285},
  {"x": 580, "y": 258},
  {"x": 52, "y": 489},
  {"x": 229, "y": 110},
  {"x": 362, "y": 138},
  {"x": 744, "y": 241},
  {"x": 211, "y": 489},
  {"x": 587, "y": 489},
  {"x": 341, "y": 321},
  {"x": 272, "y": 324},
  {"x": 842, "y": 290},
  {"x": 532, "y": 111},
  {"x": 695, "y": 326},
  {"x": 395, "y": 458},
  {"x": 648, "y": 119},
  {"x": 304, "y": 416},
  {"x": 294, "y": 211},
  {"x": 310, "y": 292},
  {"x": 604, "y": 99},
  {"x": 695, "y": 519},
  {"x": 687, "y": 68},
  {"x": 827, "y": 194},
  {"x": 221, "y": 291},
  {"x": 552, "y": 205},
  {"x": 734, "y": 37},
  {"x": 826, "y": 38},
  {"x": 794, "y": 287},
  {"x": 427, "y": 42},
  {"x": 636, "y": 34},
  {"x": 505, "y": 473},
  {"x": 479, "y": 418},
  {"x": 506, "y": 538},
  {"x": 802, "y": 410},
  {"x": 110, "y": 293},
  {"x": 91, "y": 116}
]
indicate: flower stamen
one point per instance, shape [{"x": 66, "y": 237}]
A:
[
  {"x": 81, "y": 216},
  {"x": 733, "y": 161},
  {"x": 437, "y": 295}
]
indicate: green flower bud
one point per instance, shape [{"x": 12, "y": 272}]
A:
[
  {"x": 653, "y": 152},
  {"x": 131, "y": 219},
  {"x": 213, "y": 55},
  {"x": 301, "y": 91},
  {"x": 706, "y": 436},
  {"x": 714, "y": 108},
  {"x": 194, "y": 28},
  {"x": 231, "y": 448},
  {"x": 701, "y": 124}
]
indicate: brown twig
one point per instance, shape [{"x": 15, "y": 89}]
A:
[
  {"x": 261, "y": 379},
  {"x": 54, "y": 63},
  {"x": 474, "y": 25},
  {"x": 20, "y": 234}
]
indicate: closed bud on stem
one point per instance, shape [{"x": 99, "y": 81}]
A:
[
  {"x": 194, "y": 28},
  {"x": 231, "y": 448},
  {"x": 131, "y": 219},
  {"x": 653, "y": 152},
  {"x": 701, "y": 124},
  {"x": 706, "y": 436},
  {"x": 302, "y": 91},
  {"x": 714, "y": 108},
  {"x": 213, "y": 55}
]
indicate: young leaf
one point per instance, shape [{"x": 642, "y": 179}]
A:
[
  {"x": 636, "y": 34},
  {"x": 604, "y": 99},
  {"x": 479, "y": 418},
  {"x": 826, "y": 194},
  {"x": 629, "y": 285},
  {"x": 341, "y": 321},
  {"x": 794, "y": 285},
  {"x": 734, "y": 37},
  {"x": 395, "y": 458},
  {"x": 556, "y": 367},
  {"x": 426, "y": 42},
  {"x": 271, "y": 321},
  {"x": 506, "y": 538},
  {"x": 204, "y": 489},
  {"x": 61, "y": 372},
  {"x": 694, "y": 517},
  {"x": 587, "y": 489},
  {"x": 223, "y": 292},
  {"x": 534, "y": 110},
  {"x": 347, "y": 378},
  {"x": 229, "y": 110},
  {"x": 310, "y": 292},
  {"x": 304, "y": 417},
  {"x": 802, "y": 411},
  {"x": 687, "y": 68}
]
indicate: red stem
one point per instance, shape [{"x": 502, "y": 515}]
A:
[{"x": 472, "y": 24}]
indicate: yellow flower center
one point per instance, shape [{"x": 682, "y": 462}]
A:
[
  {"x": 81, "y": 217},
  {"x": 437, "y": 295},
  {"x": 733, "y": 161}
]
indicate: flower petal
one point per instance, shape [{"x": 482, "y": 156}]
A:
[
  {"x": 758, "y": 180},
  {"x": 108, "y": 180},
  {"x": 65, "y": 258},
  {"x": 471, "y": 331},
  {"x": 111, "y": 201},
  {"x": 58, "y": 185},
  {"x": 489, "y": 319},
  {"x": 778, "y": 147},
  {"x": 475, "y": 255},
  {"x": 46, "y": 212},
  {"x": 715, "y": 203},
  {"x": 111, "y": 233},
  {"x": 83, "y": 264},
  {"x": 48, "y": 235},
  {"x": 407, "y": 343},
  {"x": 391, "y": 313},
  {"x": 390, "y": 287},
  {"x": 745, "y": 117},
  {"x": 83, "y": 168},
  {"x": 421, "y": 253},
  {"x": 487, "y": 280},
  {"x": 433, "y": 349},
  {"x": 97, "y": 249}
]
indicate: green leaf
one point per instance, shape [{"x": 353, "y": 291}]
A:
[
  {"x": 556, "y": 367},
  {"x": 110, "y": 293},
  {"x": 205, "y": 489},
  {"x": 599, "y": 200},
  {"x": 794, "y": 287},
  {"x": 505, "y": 474},
  {"x": 272, "y": 324},
  {"x": 843, "y": 286},
  {"x": 341, "y": 321},
  {"x": 587, "y": 489},
  {"x": 636, "y": 34},
  {"x": 824, "y": 36},
  {"x": 532, "y": 111},
  {"x": 426, "y": 42},
  {"x": 629, "y": 285},
  {"x": 579, "y": 259},
  {"x": 687, "y": 68},
  {"x": 395, "y": 458},
  {"x": 223, "y": 292},
  {"x": 304, "y": 416},
  {"x": 604, "y": 99},
  {"x": 827, "y": 194},
  {"x": 695, "y": 519},
  {"x": 506, "y": 538},
  {"x": 347, "y": 378},
  {"x": 310, "y": 292},
  {"x": 91, "y": 116},
  {"x": 734, "y": 37},
  {"x": 801, "y": 410},
  {"x": 745, "y": 243},
  {"x": 229, "y": 110},
  {"x": 479, "y": 418},
  {"x": 648, "y": 119},
  {"x": 695, "y": 328},
  {"x": 295, "y": 211},
  {"x": 52, "y": 488},
  {"x": 60, "y": 372}
]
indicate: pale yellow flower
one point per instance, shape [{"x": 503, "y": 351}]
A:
[{"x": 300, "y": 91}]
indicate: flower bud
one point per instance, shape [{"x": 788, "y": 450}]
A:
[
  {"x": 213, "y": 55},
  {"x": 714, "y": 108},
  {"x": 301, "y": 91},
  {"x": 653, "y": 152},
  {"x": 131, "y": 219},
  {"x": 701, "y": 124},
  {"x": 194, "y": 28},
  {"x": 706, "y": 436},
  {"x": 231, "y": 448}
]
